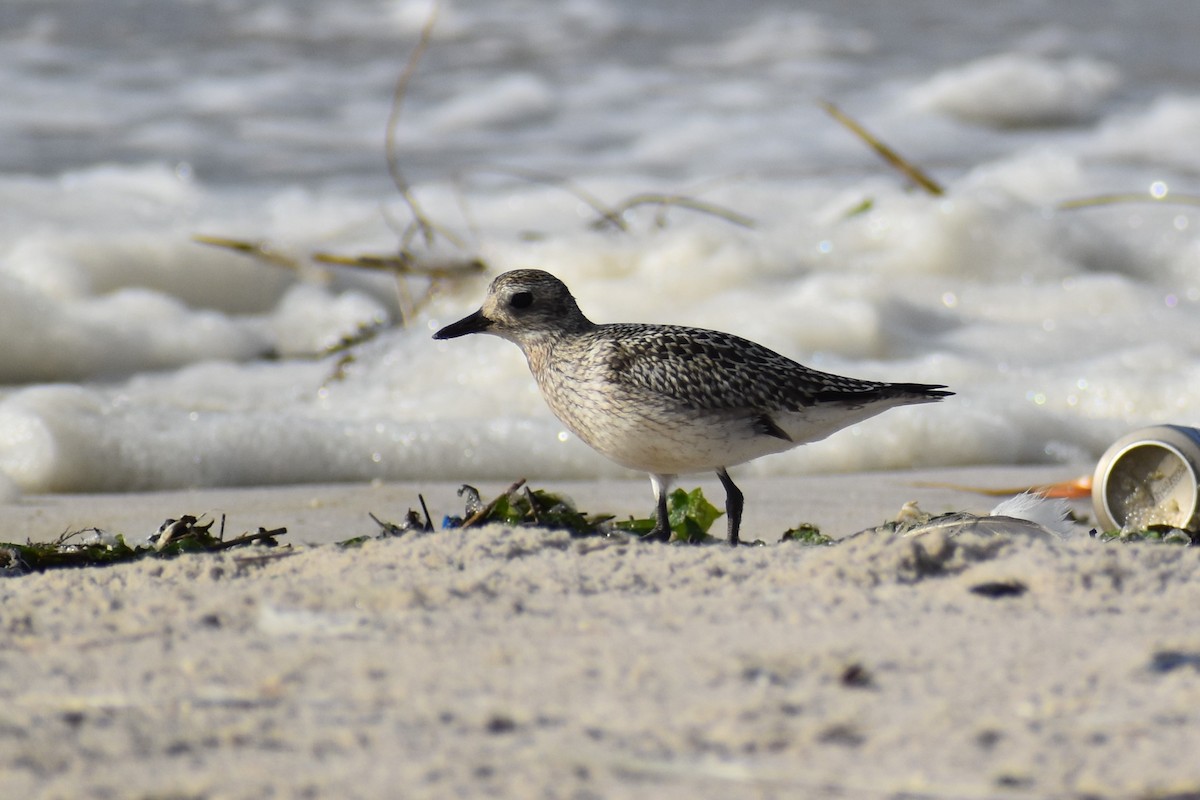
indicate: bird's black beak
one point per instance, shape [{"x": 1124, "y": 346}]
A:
[{"x": 476, "y": 323}]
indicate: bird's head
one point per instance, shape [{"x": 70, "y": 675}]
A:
[{"x": 522, "y": 306}]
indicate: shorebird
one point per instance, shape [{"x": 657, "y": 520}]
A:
[{"x": 667, "y": 399}]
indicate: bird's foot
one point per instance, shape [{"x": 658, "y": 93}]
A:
[{"x": 657, "y": 534}]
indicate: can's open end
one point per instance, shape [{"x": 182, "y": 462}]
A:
[{"x": 1149, "y": 477}]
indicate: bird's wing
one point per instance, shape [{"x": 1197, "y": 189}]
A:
[{"x": 705, "y": 369}]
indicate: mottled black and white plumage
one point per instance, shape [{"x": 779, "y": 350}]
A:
[{"x": 666, "y": 399}]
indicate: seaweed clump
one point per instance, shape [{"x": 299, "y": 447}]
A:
[
  {"x": 690, "y": 515},
  {"x": 91, "y": 547}
]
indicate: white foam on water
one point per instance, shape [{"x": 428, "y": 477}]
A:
[
  {"x": 1017, "y": 89},
  {"x": 507, "y": 100},
  {"x": 134, "y": 357},
  {"x": 1158, "y": 134}
]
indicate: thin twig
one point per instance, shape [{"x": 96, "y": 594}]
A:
[
  {"x": 423, "y": 225},
  {"x": 1130, "y": 197},
  {"x": 681, "y": 201},
  {"x": 393, "y": 160},
  {"x": 533, "y": 509},
  {"x": 613, "y": 215},
  {"x": 259, "y": 250},
  {"x": 425, "y": 509},
  {"x": 403, "y": 263},
  {"x": 558, "y": 182},
  {"x": 246, "y": 538},
  {"x": 388, "y": 528},
  {"x": 66, "y": 536},
  {"x": 897, "y": 161}
]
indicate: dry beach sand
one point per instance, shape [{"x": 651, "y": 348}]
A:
[{"x": 523, "y": 663}]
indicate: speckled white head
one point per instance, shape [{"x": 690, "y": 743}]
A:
[{"x": 522, "y": 306}]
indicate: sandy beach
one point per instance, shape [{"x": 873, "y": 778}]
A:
[
  {"x": 525, "y": 663},
  {"x": 233, "y": 230}
]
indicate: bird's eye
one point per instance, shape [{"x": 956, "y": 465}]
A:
[{"x": 521, "y": 300}]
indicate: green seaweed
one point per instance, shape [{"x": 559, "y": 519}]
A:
[
  {"x": 689, "y": 514},
  {"x": 807, "y": 534},
  {"x": 174, "y": 537},
  {"x": 356, "y": 541},
  {"x": 1164, "y": 534},
  {"x": 525, "y": 507}
]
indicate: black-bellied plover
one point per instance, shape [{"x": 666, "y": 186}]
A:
[{"x": 669, "y": 400}]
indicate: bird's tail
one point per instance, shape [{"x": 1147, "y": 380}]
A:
[
  {"x": 918, "y": 392},
  {"x": 899, "y": 394}
]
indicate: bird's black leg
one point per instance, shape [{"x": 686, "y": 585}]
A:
[
  {"x": 733, "y": 505},
  {"x": 662, "y": 523}
]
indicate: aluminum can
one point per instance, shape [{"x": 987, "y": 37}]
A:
[{"x": 1149, "y": 477}]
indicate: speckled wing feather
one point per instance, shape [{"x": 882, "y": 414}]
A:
[{"x": 706, "y": 369}]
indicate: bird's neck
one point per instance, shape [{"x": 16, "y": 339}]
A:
[{"x": 540, "y": 345}]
